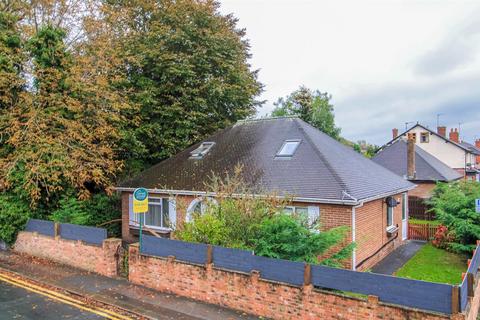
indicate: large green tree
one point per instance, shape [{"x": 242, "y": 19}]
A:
[
  {"x": 187, "y": 67},
  {"x": 311, "y": 106}
]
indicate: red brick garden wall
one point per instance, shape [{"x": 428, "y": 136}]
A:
[
  {"x": 250, "y": 294},
  {"x": 102, "y": 260}
]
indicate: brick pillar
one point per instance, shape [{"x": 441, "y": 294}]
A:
[
  {"x": 111, "y": 252},
  {"x": 126, "y": 235}
]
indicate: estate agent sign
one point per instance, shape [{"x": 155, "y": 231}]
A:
[{"x": 140, "y": 200}]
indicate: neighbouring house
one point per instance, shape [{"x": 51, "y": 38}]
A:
[
  {"x": 416, "y": 165},
  {"x": 322, "y": 177},
  {"x": 460, "y": 156}
]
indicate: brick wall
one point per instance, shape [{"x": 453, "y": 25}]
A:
[
  {"x": 370, "y": 232},
  {"x": 249, "y": 293},
  {"x": 423, "y": 190},
  {"x": 102, "y": 260}
]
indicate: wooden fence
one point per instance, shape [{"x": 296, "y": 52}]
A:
[
  {"x": 91, "y": 235},
  {"x": 418, "y": 209},
  {"x": 424, "y": 232}
]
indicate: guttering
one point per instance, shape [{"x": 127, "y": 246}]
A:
[
  {"x": 353, "y": 202},
  {"x": 213, "y": 194}
]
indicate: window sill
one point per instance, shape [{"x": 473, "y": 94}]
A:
[
  {"x": 159, "y": 229},
  {"x": 391, "y": 230}
]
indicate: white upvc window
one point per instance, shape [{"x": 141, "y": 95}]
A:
[
  {"x": 198, "y": 206},
  {"x": 161, "y": 213},
  {"x": 312, "y": 213},
  {"x": 389, "y": 216}
]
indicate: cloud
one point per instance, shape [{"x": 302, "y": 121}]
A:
[
  {"x": 373, "y": 111},
  {"x": 459, "y": 48}
]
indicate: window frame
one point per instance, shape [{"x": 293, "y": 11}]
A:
[
  {"x": 195, "y": 202},
  {"x": 159, "y": 228},
  {"x": 289, "y": 155},
  {"x": 202, "y": 150},
  {"x": 390, "y": 214},
  {"x": 426, "y": 136}
]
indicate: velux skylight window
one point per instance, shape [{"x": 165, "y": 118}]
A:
[
  {"x": 202, "y": 150},
  {"x": 288, "y": 148}
]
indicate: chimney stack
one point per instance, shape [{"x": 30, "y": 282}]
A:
[
  {"x": 410, "y": 159},
  {"x": 454, "y": 136},
  {"x": 442, "y": 131},
  {"x": 477, "y": 144},
  {"x": 395, "y": 133}
]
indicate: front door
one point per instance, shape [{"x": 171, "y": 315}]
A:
[{"x": 404, "y": 216}]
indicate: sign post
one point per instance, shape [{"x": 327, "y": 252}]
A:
[
  {"x": 140, "y": 206},
  {"x": 477, "y": 205}
]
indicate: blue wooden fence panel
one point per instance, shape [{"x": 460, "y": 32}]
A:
[
  {"x": 412, "y": 293},
  {"x": 280, "y": 270},
  {"x": 270, "y": 269},
  {"x": 474, "y": 262},
  {"x": 233, "y": 259},
  {"x": 41, "y": 226},
  {"x": 464, "y": 294},
  {"x": 184, "y": 251},
  {"x": 90, "y": 235}
]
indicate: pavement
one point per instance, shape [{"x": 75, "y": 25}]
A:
[
  {"x": 18, "y": 303},
  {"x": 119, "y": 292},
  {"x": 395, "y": 260}
]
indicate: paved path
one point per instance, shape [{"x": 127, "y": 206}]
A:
[
  {"x": 18, "y": 303},
  {"x": 120, "y": 292},
  {"x": 398, "y": 258}
]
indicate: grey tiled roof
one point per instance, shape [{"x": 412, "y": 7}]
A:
[
  {"x": 428, "y": 167},
  {"x": 321, "y": 168},
  {"x": 471, "y": 147}
]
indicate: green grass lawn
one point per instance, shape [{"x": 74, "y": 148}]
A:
[
  {"x": 418, "y": 221},
  {"x": 435, "y": 265}
]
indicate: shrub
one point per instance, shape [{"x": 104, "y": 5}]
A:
[
  {"x": 285, "y": 237},
  {"x": 97, "y": 210},
  {"x": 443, "y": 237},
  {"x": 237, "y": 219},
  {"x": 454, "y": 206},
  {"x": 14, "y": 214}
]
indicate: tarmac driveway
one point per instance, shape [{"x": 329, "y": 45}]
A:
[{"x": 18, "y": 303}]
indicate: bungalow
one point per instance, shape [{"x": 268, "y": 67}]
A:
[
  {"x": 415, "y": 164},
  {"x": 460, "y": 156},
  {"x": 323, "y": 178}
]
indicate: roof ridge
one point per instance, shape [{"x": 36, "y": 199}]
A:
[
  {"x": 323, "y": 158},
  {"x": 266, "y": 119},
  {"x": 424, "y": 153}
]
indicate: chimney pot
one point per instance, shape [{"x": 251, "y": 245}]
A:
[
  {"x": 454, "y": 136},
  {"x": 394, "y": 133}
]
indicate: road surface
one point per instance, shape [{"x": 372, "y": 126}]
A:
[{"x": 18, "y": 303}]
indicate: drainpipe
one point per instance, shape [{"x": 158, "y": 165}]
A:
[{"x": 354, "y": 218}]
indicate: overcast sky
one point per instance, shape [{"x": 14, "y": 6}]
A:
[{"x": 385, "y": 62}]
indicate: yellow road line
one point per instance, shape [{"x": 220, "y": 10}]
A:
[{"x": 62, "y": 298}]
